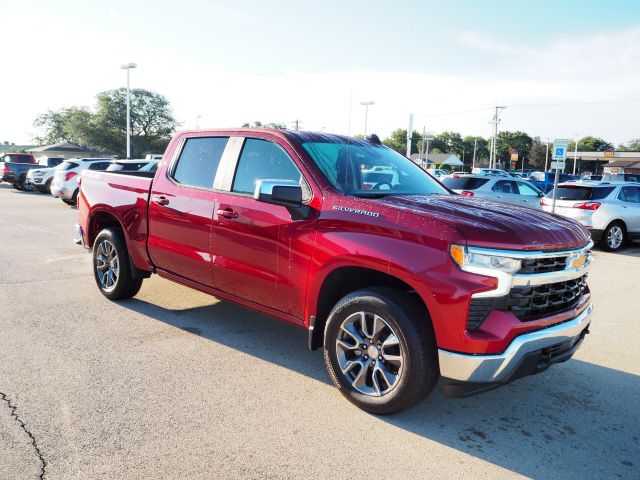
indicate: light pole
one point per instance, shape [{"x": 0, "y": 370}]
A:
[
  {"x": 426, "y": 153},
  {"x": 127, "y": 67},
  {"x": 575, "y": 155},
  {"x": 546, "y": 156},
  {"x": 366, "y": 112}
]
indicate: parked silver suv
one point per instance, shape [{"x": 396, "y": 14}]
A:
[{"x": 611, "y": 211}]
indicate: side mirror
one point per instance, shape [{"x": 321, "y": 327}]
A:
[
  {"x": 541, "y": 194},
  {"x": 279, "y": 192}
]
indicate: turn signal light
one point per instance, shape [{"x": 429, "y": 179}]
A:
[
  {"x": 6, "y": 170},
  {"x": 466, "y": 193},
  {"x": 69, "y": 176},
  {"x": 587, "y": 205}
]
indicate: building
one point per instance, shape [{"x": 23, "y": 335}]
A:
[
  {"x": 68, "y": 150},
  {"x": 437, "y": 160},
  {"x": 609, "y": 162}
]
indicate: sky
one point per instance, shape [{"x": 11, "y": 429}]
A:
[{"x": 561, "y": 67}]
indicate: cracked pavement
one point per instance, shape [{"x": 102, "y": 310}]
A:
[{"x": 175, "y": 384}]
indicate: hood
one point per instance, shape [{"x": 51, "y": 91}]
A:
[{"x": 491, "y": 224}]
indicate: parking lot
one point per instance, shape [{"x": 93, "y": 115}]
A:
[{"x": 175, "y": 384}]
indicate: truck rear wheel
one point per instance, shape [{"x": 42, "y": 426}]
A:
[
  {"x": 380, "y": 350},
  {"x": 111, "y": 267}
]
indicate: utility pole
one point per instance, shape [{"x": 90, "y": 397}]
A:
[
  {"x": 546, "y": 156},
  {"x": 409, "y": 135},
  {"x": 423, "y": 160},
  {"x": 575, "y": 155},
  {"x": 475, "y": 148},
  {"x": 494, "y": 149}
]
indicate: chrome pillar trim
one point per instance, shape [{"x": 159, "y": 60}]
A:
[{"x": 498, "y": 368}]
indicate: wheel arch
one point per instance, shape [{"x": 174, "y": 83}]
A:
[
  {"x": 102, "y": 219},
  {"x": 343, "y": 280}
]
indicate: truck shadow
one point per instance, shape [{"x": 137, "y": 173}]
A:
[{"x": 553, "y": 425}]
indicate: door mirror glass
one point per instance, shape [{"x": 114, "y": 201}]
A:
[{"x": 279, "y": 192}]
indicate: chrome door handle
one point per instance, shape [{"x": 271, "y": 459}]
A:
[
  {"x": 160, "y": 200},
  {"x": 226, "y": 213}
]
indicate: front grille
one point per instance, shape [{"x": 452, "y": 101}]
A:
[
  {"x": 529, "y": 303},
  {"x": 543, "y": 265}
]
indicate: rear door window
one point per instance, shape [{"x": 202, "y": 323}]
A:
[
  {"x": 505, "y": 186},
  {"x": 464, "y": 183},
  {"x": 199, "y": 160}
]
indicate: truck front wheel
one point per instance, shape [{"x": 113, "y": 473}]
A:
[
  {"x": 380, "y": 350},
  {"x": 111, "y": 267}
]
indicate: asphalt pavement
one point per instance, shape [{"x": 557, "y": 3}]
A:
[{"x": 176, "y": 384}]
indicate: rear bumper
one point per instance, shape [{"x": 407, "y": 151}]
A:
[{"x": 527, "y": 354}]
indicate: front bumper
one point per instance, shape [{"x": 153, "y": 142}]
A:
[{"x": 527, "y": 354}]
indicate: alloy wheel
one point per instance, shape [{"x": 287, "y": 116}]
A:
[
  {"x": 615, "y": 237},
  {"x": 107, "y": 265},
  {"x": 369, "y": 354}
]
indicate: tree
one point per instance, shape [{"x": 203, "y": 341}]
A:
[
  {"x": 631, "y": 146},
  {"x": 537, "y": 153},
  {"x": 152, "y": 123},
  {"x": 259, "y": 124},
  {"x": 590, "y": 144},
  {"x": 69, "y": 125},
  {"x": 509, "y": 140},
  {"x": 398, "y": 141},
  {"x": 448, "y": 142},
  {"x": 481, "y": 145}
]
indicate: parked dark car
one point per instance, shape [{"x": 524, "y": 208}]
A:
[{"x": 14, "y": 168}]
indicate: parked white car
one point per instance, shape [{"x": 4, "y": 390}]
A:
[
  {"x": 65, "y": 176},
  {"x": 40, "y": 178},
  {"x": 490, "y": 171},
  {"x": 610, "y": 211},
  {"x": 133, "y": 166},
  {"x": 509, "y": 190}
]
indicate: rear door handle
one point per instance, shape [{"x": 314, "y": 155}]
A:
[
  {"x": 160, "y": 200},
  {"x": 226, "y": 213}
]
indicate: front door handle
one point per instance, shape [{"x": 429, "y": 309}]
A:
[
  {"x": 160, "y": 200},
  {"x": 226, "y": 213}
]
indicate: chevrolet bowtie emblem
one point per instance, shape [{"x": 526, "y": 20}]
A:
[{"x": 576, "y": 260}]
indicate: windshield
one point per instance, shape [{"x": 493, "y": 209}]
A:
[{"x": 364, "y": 169}]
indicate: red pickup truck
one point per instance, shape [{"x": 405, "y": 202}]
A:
[{"x": 398, "y": 279}]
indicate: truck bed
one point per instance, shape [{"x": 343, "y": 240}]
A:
[{"x": 124, "y": 195}]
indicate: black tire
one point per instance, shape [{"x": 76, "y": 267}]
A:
[
  {"x": 22, "y": 185},
  {"x": 46, "y": 188},
  {"x": 608, "y": 243},
  {"x": 411, "y": 324},
  {"x": 124, "y": 286},
  {"x": 16, "y": 185}
]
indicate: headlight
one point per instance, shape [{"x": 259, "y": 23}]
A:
[{"x": 471, "y": 261}]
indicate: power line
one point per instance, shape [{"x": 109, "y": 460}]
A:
[{"x": 533, "y": 105}]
